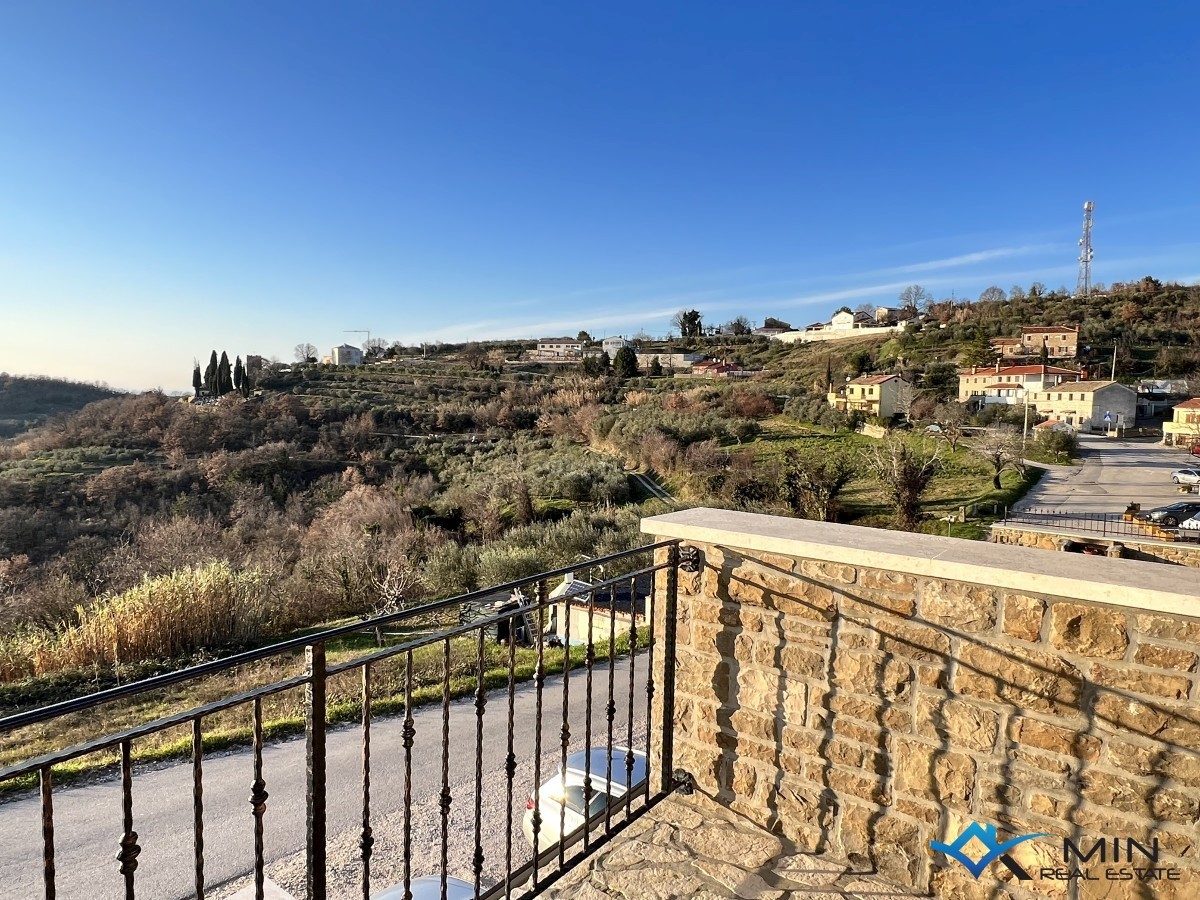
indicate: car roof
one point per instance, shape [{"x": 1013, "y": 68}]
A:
[
  {"x": 429, "y": 887},
  {"x": 577, "y": 763}
]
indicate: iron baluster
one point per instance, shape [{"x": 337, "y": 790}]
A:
[
  {"x": 589, "y": 660},
  {"x": 198, "y": 803},
  {"x": 130, "y": 849},
  {"x": 539, "y": 681},
  {"x": 670, "y": 636},
  {"x": 315, "y": 764},
  {"x": 650, "y": 677},
  {"x": 444, "y": 799},
  {"x": 258, "y": 801},
  {"x": 408, "y": 733},
  {"x": 610, "y": 711},
  {"x": 566, "y": 723},
  {"x": 46, "y": 783},
  {"x": 480, "y": 705},
  {"x": 367, "y": 839},
  {"x": 629, "y": 724},
  {"x": 510, "y": 761}
]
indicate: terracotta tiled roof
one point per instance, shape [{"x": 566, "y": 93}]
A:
[
  {"x": 873, "y": 379},
  {"x": 1048, "y": 329},
  {"x": 1194, "y": 403}
]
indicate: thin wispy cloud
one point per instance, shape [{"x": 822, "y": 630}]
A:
[{"x": 970, "y": 259}]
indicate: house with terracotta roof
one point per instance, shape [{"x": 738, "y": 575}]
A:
[
  {"x": 874, "y": 395},
  {"x": 974, "y": 383},
  {"x": 1087, "y": 405},
  {"x": 1184, "y": 428}
]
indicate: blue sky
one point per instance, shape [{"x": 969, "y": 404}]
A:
[{"x": 178, "y": 177}]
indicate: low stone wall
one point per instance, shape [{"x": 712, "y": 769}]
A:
[
  {"x": 1183, "y": 554},
  {"x": 865, "y": 693}
]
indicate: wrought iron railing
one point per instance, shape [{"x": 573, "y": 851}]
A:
[
  {"x": 514, "y": 873},
  {"x": 1103, "y": 524}
]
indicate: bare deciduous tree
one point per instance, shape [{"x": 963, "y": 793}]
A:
[
  {"x": 906, "y": 395},
  {"x": 916, "y": 296},
  {"x": 1001, "y": 447},
  {"x": 950, "y": 417},
  {"x": 903, "y": 471},
  {"x": 305, "y": 353}
]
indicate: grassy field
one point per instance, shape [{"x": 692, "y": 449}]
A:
[{"x": 965, "y": 479}]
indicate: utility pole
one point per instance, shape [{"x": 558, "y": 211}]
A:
[{"x": 1113, "y": 377}]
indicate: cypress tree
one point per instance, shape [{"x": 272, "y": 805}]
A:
[
  {"x": 210, "y": 376},
  {"x": 238, "y": 374},
  {"x": 197, "y": 378},
  {"x": 224, "y": 377}
]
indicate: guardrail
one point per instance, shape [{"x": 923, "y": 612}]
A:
[{"x": 525, "y": 616}]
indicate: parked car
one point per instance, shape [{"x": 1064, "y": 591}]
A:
[
  {"x": 1186, "y": 476},
  {"x": 429, "y": 887},
  {"x": 1172, "y": 515},
  {"x": 567, "y": 788},
  {"x": 1192, "y": 524}
]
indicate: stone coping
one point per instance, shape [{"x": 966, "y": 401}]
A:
[{"x": 1134, "y": 584}]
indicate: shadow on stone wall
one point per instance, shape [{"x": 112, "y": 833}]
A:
[{"x": 863, "y": 713}]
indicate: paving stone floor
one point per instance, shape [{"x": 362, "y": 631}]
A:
[{"x": 691, "y": 848}]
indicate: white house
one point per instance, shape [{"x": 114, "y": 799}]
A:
[
  {"x": 345, "y": 355},
  {"x": 1007, "y": 384},
  {"x": 564, "y": 349},
  {"x": 611, "y": 345}
]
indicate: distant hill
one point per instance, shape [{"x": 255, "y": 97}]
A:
[{"x": 27, "y": 402}]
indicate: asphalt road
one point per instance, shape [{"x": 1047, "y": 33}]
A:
[
  {"x": 1111, "y": 474},
  {"x": 88, "y": 817}
]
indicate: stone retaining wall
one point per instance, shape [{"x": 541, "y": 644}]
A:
[
  {"x": 863, "y": 711},
  {"x": 1183, "y": 554}
]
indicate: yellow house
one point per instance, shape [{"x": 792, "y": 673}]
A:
[
  {"x": 1184, "y": 429},
  {"x": 875, "y": 395}
]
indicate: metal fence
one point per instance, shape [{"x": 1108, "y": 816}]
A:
[
  {"x": 521, "y": 619},
  {"x": 1098, "y": 523}
]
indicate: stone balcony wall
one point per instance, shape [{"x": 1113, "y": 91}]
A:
[
  {"x": 864, "y": 693},
  {"x": 1182, "y": 554}
]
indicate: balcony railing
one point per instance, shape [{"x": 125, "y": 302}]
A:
[{"x": 591, "y": 682}]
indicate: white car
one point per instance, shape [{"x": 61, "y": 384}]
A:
[
  {"x": 567, "y": 789},
  {"x": 1192, "y": 524},
  {"x": 1186, "y": 476},
  {"x": 429, "y": 887}
]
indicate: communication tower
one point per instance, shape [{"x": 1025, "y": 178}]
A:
[{"x": 1083, "y": 287}]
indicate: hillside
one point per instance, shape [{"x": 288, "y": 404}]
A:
[{"x": 26, "y": 402}]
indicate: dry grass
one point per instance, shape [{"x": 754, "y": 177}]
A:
[
  {"x": 283, "y": 714},
  {"x": 162, "y": 618}
]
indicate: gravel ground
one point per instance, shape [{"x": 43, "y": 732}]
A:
[{"x": 387, "y": 861}]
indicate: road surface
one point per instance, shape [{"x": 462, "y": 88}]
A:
[
  {"x": 88, "y": 817},
  {"x": 1112, "y": 474}
]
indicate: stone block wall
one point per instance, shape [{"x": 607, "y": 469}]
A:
[
  {"x": 863, "y": 712},
  {"x": 1181, "y": 554}
]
